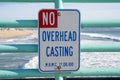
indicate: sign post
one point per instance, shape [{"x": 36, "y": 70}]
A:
[{"x": 59, "y": 40}]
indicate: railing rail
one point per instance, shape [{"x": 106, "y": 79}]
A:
[
  {"x": 22, "y": 73},
  {"x": 82, "y": 1},
  {"x": 27, "y": 0},
  {"x": 84, "y": 48},
  {"x": 84, "y": 23}
]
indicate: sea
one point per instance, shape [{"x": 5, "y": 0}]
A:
[{"x": 87, "y": 59}]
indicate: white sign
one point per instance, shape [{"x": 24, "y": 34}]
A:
[{"x": 59, "y": 40}]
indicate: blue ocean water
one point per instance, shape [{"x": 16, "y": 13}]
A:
[
  {"x": 103, "y": 34},
  {"x": 88, "y": 35},
  {"x": 17, "y": 60}
]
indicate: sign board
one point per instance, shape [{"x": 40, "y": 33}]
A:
[{"x": 59, "y": 40}]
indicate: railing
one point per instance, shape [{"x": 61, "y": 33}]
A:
[
  {"x": 84, "y": 24},
  {"x": 22, "y": 73},
  {"x": 108, "y": 1}
]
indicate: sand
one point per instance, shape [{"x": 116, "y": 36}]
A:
[{"x": 15, "y": 33}]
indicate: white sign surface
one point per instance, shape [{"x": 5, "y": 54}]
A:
[{"x": 59, "y": 40}]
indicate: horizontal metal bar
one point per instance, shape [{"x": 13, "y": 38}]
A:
[
  {"x": 33, "y": 23},
  {"x": 100, "y": 23},
  {"x": 27, "y": 0},
  {"x": 100, "y": 47},
  {"x": 22, "y": 73},
  {"x": 18, "y": 23},
  {"x": 84, "y": 48},
  {"x": 18, "y": 48},
  {"x": 92, "y": 1}
]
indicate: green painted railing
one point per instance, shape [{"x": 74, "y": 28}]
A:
[
  {"x": 84, "y": 24},
  {"x": 83, "y": 1},
  {"x": 27, "y": 0},
  {"x": 18, "y": 23},
  {"x": 10, "y": 48},
  {"x": 84, "y": 48},
  {"x": 22, "y": 73}
]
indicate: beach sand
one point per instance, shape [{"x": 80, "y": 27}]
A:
[{"x": 15, "y": 33}]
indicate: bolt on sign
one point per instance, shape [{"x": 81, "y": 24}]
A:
[{"x": 59, "y": 40}]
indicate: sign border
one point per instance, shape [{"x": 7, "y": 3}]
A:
[{"x": 79, "y": 30}]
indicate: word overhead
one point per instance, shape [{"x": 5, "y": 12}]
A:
[{"x": 59, "y": 40}]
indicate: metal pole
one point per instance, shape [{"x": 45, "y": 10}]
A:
[
  {"x": 58, "y": 4},
  {"x": 59, "y": 77}
]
